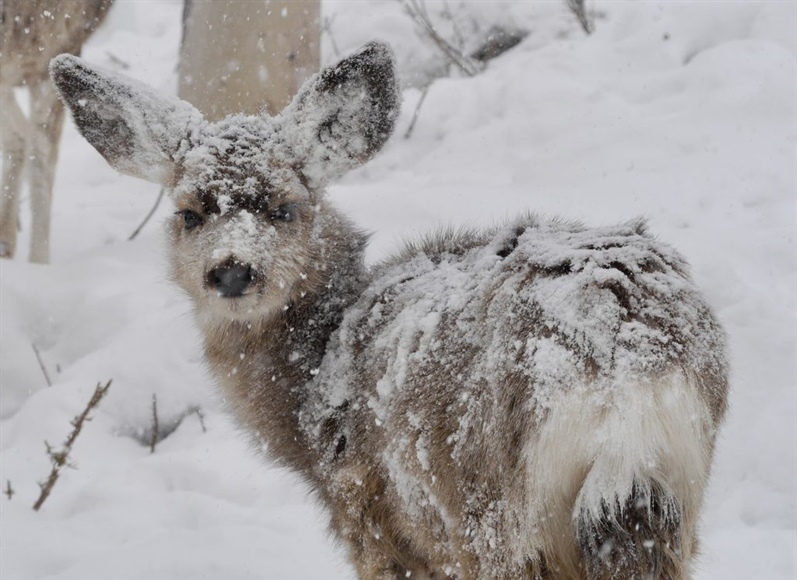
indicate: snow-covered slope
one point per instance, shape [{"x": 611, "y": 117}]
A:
[{"x": 681, "y": 112}]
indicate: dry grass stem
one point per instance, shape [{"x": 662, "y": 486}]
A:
[
  {"x": 326, "y": 27},
  {"x": 41, "y": 365},
  {"x": 579, "y": 9},
  {"x": 153, "y": 440},
  {"x": 124, "y": 65},
  {"x": 60, "y": 459},
  {"x": 148, "y": 216},
  {"x": 162, "y": 426},
  {"x": 417, "y": 112},
  {"x": 201, "y": 416},
  {"x": 417, "y": 11}
]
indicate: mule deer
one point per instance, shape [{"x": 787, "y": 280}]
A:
[
  {"x": 538, "y": 400},
  {"x": 31, "y": 33}
]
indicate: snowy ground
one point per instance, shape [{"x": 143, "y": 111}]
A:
[{"x": 683, "y": 112}]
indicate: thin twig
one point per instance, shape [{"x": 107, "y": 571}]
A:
[
  {"x": 154, "y": 437},
  {"x": 149, "y": 215},
  {"x": 579, "y": 9},
  {"x": 420, "y": 16},
  {"x": 41, "y": 365},
  {"x": 117, "y": 61},
  {"x": 162, "y": 427},
  {"x": 9, "y": 491},
  {"x": 201, "y": 416},
  {"x": 327, "y": 27},
  {"x": 454, "y": 26},
  {"x": 417, "y": 112},
  {"x": 60, "y": 459}
]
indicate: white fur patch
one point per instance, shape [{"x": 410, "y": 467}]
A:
[{"x": 591, "y": 451}]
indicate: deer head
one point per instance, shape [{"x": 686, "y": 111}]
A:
[{"x": 251, "y": 230}]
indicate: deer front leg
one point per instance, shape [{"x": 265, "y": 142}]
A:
[
  {"x": 47, "y": 120},
  {"x": 376, "y": 560},
  {"x": 362, "y": 516},
  {"x": 13, "y": 129},
  {"x": 372, "y": 552},
  {"x": 371, "y": 566}
]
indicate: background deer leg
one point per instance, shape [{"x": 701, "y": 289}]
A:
[
  {"x": 47, "y": 120},
  {"x": 13, "y": 129}
]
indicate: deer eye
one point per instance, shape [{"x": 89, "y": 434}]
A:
[
  {"x": 191, "y": 219},
  {"x": 284, "y": 213}
]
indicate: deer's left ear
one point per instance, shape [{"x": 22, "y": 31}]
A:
[
  {"x": 138, "y": 131},
  {"x": 343, "y": 115}
]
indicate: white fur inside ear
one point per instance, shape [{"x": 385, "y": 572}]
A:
[
  {"x": 163, "y": 130},
  {"x": 329, "y": 138},
  {"x": 343, "y": 115},
  {"x": 138, "y": 131}
]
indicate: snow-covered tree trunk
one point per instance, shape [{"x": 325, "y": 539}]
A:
[{"x": 245, "y": 56}]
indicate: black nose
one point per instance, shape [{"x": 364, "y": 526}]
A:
[{"x": 230, "y": 280}]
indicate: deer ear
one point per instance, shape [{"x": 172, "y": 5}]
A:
[
  {"x": 344, "y": 115},
  {"x": 139, "y": 132}
]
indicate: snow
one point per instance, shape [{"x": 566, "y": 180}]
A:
[{"x": 681, "y": 112}]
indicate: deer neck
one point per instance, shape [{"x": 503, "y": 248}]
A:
[{"x": 265, "y": 367}]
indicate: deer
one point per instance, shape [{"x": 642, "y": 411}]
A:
[
  {"x": 539, "y": 399},
  {"x": 32, "y": 32}
]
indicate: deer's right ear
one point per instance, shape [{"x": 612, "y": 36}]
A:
[
  {"x": 343, "y": 115},
  {"x": 139, "y": 132}
]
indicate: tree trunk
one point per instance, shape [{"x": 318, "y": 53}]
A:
[{"x": 245, "y": 56}]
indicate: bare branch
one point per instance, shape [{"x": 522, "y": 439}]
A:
[
  {"x": 161, "y": 427},
  {"x": 149, "y": 215},
  {"x": 579, "y": 9},
  {"x": 201, "y": 416},
  {"x": 417, "y": 112},
  {"x": 153, "y": 440},
  {"x": 60, "y": 459},
  {"x": 124, "y": 65},
  {"x": 457, "y": 31},
  {"x": 326, "y": 26},
  {"x": 41, "y": 365},
  {"x": 417, "y": 11}
]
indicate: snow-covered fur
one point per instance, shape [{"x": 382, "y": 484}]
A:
[
  {"x": 31, "y": 33},
  {"x": 538, "y": 401}
]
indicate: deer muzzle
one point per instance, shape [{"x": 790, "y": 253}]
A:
[{"x": 231, "y": 279}]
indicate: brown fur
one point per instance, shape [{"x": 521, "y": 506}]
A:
[
  {"x": 538, "y": 400},
  {"x": 32, "y": 32}
]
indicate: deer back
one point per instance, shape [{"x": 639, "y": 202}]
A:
[{"x": 483, "y": 379}]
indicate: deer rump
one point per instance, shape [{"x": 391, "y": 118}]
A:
[
  {"x": 512, "y": 396},
  {"x": 539, "y": 400}
]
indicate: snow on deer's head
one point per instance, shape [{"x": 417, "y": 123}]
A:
[{"x": 247, "y": 234}]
